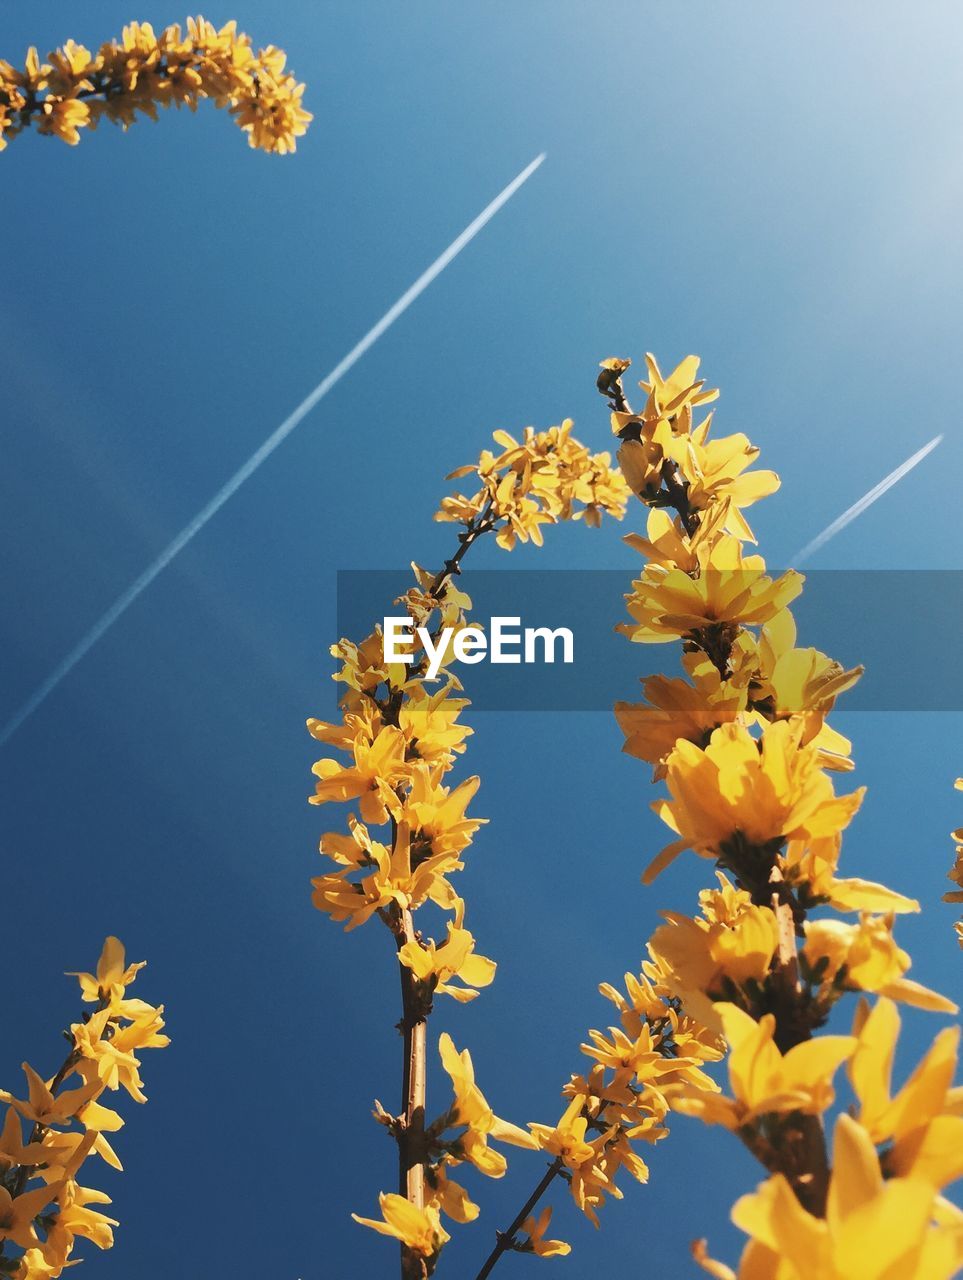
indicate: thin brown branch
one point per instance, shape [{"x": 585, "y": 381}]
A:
[{"x": 507, "y": 1240}]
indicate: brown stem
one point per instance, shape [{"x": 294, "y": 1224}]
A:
[
  {"x": 506, "y": 1240},
  {"x": 411, "y": 1121},
  {"x": 411, "y": 1144},
  {"x": 473, "y": 531}
]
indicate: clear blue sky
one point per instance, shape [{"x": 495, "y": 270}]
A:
[{"x": 776, "y": 187}]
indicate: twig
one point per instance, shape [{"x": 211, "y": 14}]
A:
[{"x": 505, "y": 1240}]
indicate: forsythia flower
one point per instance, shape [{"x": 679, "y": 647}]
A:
[
  {"x": 395, "y": 880},
  {"x": 142, "y": 71},
  {"x": 921, "y": 1127},
  {"x": 763, "y": 792},
  {"x": 419, "y": 1229},
  {"x": 377, "y": 764},
  {"x": 460, "y": 1134},
  {"x": 471, "y": 1110},
  {"x": 536, "y": 1243},
  {"x": 790, "y": 682},
  {"x": 730, "y": 590},
  {"x": 811, "y": 865},
  {"x": 675, "y": 709},
  {"x": 455, "y": 958},
  {"x": 763, "y": 1080},
  {"x": 398, "y": 739},
  {"x": 536, "y": 481},
  {"x": 744, "y": 746},
  {"x": 865, "y": 957},
  {"x": 66, "y": 1125},
  {"x": 623, "y": 1100},
  {"x": 732, "y": 946},
  {"x": 874, "y": 1229}
]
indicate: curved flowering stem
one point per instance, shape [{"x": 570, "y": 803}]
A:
[
  {"x": 75, "y": 89},
  {"x": 401, "y": 729}
]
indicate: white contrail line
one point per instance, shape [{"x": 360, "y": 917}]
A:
[
  {"x": 867, "y": 500},
  {"x": 277, "y": 437}
]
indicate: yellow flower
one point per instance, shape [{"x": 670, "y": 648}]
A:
[
  {"x": 378, "y": 765},
  {"x": 566, "y": 1140},
  {"x": 873, "y": 1229},
  {"x": 43, "y": 1107},
  {"x": 650, "y": 1023},
  {"x": 470, "y": 1109},
  {"x": 763, "y": 1080},
  {"x": 143, "y": 71},
  {"x": 676, "y": 709},
  {"x": 714, "y": 471},
  {"x": 420, "y": 1230},
  {"x": 435, "y": 813},
  {"x": 18, "y": 1212},
  {"x": 730, "y": 590},
  {"x": 865, "y": 957},
  {"x": 921, "y": 1126},
  {"x": 733, "y": 944},
  {"x": 536, "y": 1243},
  {"x": 592, "y": 1165},
  {"x": 395, "y": 878},
  {"x": 791, "y": 682},
  {"x": 681, "y": 388},
  {"x": 668, "y": 545},
  {"x": 455, "y": 958},
  {"x": 113, "y": 975},
  {"x": 765, "y": 792},
  {"x": 76, "y": 1218},
  {"x": 107, "y": 1060},
  {"x": 812, "y": 864},
  {"x": 430, "y": 726},
  {"x": 535, "y": 481},
  {"x": 63, "y": 119},
  {"x": 447, "y": 1196},
  {"x": 12, "y": 1149}
]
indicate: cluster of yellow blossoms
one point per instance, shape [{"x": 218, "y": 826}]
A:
[
  {"x": 43, "y": 1207},
  {"x": 744, "y": 748},
  {"x": 656, "y": 1050},
  {"x": 546, "y": 477},
  {"x": 397, "y": 740},
  {"x": 74, "y": 89}
]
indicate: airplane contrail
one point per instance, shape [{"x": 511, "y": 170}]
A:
[
  {"x": 867, "y": 500},
  {"x": 277, "y": 437}
]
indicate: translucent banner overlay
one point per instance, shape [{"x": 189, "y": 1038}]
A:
[{"x": 903, "y": 626}]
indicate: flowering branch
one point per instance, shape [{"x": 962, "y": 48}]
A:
[
  {"x": 402, "y": 738},
  {"x": 41, "y": 1222},
  {"x": 744, "y": 746},
  {"x": 74, "y": 89}
]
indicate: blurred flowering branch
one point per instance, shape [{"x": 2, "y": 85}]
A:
[{"x": 75, "y": 89}]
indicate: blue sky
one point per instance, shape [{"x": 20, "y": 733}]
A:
[{"x": 779, "y": 190}]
